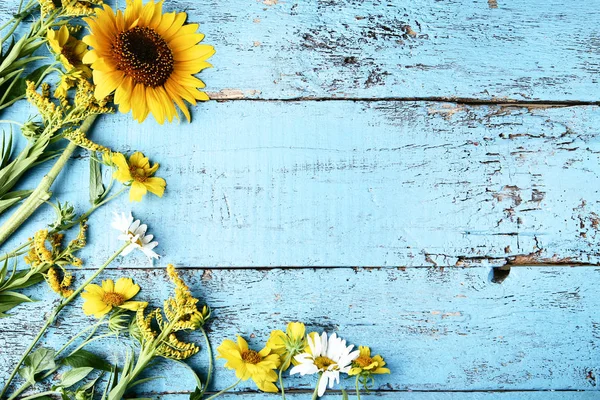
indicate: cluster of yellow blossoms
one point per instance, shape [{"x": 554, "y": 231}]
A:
[{"x": 46, "y": 253}]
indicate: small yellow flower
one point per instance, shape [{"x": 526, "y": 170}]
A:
[
  {"x": 289, "y": 343},
  {"x": 259, "y": 366},
  {"x": 365, "y": 364},
  {"x": 139, "y": 173},
  {"x": 99, "y": 300}
]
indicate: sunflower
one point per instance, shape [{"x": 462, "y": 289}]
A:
[
  {"x": 138, "y": 172},
  {"x": 99, "y": 300},
  {"x": 147, "y": 58},
  {"x": 70, "y": 52},
  {"x": 248, "y": 363}
]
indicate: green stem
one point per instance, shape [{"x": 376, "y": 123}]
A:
[
  {"x": 214, "y": 396},
  {"x": 26, "y": 385},
  {"x": 286, "y": 362},
  {"x": 357, "y": 388},
  {"x": 42, "y": 192},
  {"x": 210, "y": 362},
  {"x": 55, "y": 313},
  {"x": 19, "y": 250},
  {"x": 315, "y": 395}
]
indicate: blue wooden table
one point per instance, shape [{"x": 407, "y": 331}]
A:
[{"x": 419, "y": 176}]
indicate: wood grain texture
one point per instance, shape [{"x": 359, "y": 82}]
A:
[
  {"x": 270, "y": 184},
  {"x": 439, "y": 330},
  {"x": 533, "y": 50},
  {"x": 416, "y": 396}
]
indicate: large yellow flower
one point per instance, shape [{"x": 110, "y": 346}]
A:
[
  {"x": 250, "y": 364},
  {"x": 147, "y": 59},
  {"x": 139, "y": 173},
  {"x": 365, "y": 364},
  {"x": 99, "y": 300}
]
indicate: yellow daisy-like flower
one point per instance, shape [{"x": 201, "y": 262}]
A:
[
  {"x": 289, "y": 343},
  {"x": 70, "y": 50},
  {"x": 139, "y": 173},
  {"x": 259, "y": 366},
  {"x": 147, "y": 59},
  {"x": 364, "y": 363},
  {"x": 99, "y": 300}
]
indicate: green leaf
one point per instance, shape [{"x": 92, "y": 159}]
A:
[
  {"x": 96, "y": 186},
  {"x": 9, "y": 300},
  {"x": 40, "y": 360},
  {"x": 83, "y": 358},
  {"x": 196, "y": 394},
  {"x": 6, "y": 149},
  {"x": 140, "y": 381},
  {"x": 32, "y": 280},
  {"x": 344, "y": 394},
  {"x": 12, "y": 198},
  {"x": 74, "y": 375},
  {"x": 17, "y": 89}
]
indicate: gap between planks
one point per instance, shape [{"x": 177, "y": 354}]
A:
[{"x": 442, "y": 99}]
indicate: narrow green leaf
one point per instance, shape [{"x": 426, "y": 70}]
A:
[
  {"x": 6, "y": 149},
  {"x": 344, "y": 394},
  {"x": 140, "y": 381},
  {"x": 9, "y": 300},
  {"x": 83, "y": 358},
  {"x": 96, "y": 186},
  {"x": 12, "y": 198},
  {"x": 74, "y": 375},
  {"x": 3, "y": 271},
  {"x": 33, "y": 279}
]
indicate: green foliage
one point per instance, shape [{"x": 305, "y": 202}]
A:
[
  {"x": 39, "y": 361},
  {"x": 96, "y": 185},
  {"x": 83, "y": 358}
]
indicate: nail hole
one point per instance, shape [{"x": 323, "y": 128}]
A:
[{"x": 499, "y": 274}]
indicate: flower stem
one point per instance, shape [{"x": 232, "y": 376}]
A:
[
  {"x": 287, "y": 362},
  {"x": 224, "y": 390},
  {"x": 55, "y": 313},
  {"x": 357, "y": 388},
  {"x": 315, "y": 395},
  {"x": 42, "y": 192},
  {"x": 210, "y": 362}
]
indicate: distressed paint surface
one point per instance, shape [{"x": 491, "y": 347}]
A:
[
  {"x": 529, "y": 50},
  {"x": 439, "y": 330},
  {"x": 397, "y": 177},
  {"x": 360, "y": 183}
]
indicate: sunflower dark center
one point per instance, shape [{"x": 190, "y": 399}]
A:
[{"x": 144, "y": 55}]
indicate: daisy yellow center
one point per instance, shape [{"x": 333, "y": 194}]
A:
[
  {"x": 113, "y": 299},
  {"x": 143, "y": 55},
  {"x": 324, "y": 362},
  {"x": 363, "y": 361},
  {"x": 251, "y": 357}
]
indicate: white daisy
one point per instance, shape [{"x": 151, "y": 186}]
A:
[
  {"x": 134, "y": 232},
  {"x": 327, "y": 357}
]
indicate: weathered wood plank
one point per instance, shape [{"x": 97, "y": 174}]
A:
[
  {"x": 538, "y": 49},
  {"x": 359, "y": 183},
  {"x": 439, "y": 330},
  {"x": 415, "y": 396}
]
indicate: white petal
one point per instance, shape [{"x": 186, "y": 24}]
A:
[{"x": 322, "y": 385}]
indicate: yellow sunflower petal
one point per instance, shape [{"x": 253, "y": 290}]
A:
[
  {"x": 108, "y": 285},
  {"x": 137, "y": 191},
  {"x": 126, "y": 288},
  {"x": 133, "y": 305},
  {"x": 156, "y": 185},
  {"x": 242, "y": 344}
]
